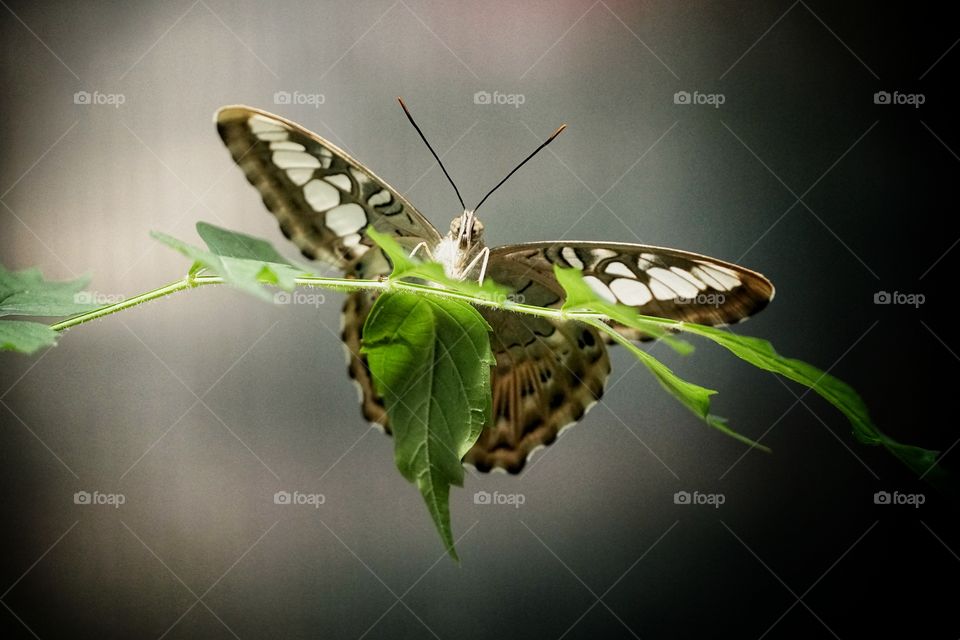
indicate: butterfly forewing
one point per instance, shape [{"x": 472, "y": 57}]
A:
[
  {"x": 660, "y": 282},
  {"x": 323, "y": 199}
]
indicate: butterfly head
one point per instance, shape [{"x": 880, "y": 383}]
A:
[{"x": 466, "y": 230}]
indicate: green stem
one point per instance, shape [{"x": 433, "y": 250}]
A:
[{"x": 341, "y": 284}]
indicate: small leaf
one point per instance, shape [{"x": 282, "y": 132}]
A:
[
  {"x": 25, "y": 336},
  {"x": 690, "y": 395},
  {"x": 430, "y": 360},
  {"x": 26, "y": 293},
  {"x": 761, "y": 353},
  {"x": 243, "y": 261}
]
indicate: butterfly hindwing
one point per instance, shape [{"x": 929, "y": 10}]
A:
[
  {"x": 323, "y": 199},
  {"x": 666, "y": 283},
  {"x": 547, "y": 374}
]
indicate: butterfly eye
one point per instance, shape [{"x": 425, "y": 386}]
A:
[
  {"x": 476, "y": 231},
  {"x": 455, "y": 227}
]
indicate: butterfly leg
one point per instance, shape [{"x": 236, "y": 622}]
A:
[
  {"x": 483, "y": 255},
  {"x": 426, "y": 249}
]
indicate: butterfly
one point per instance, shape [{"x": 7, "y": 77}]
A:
[{"x": 548, "y": 373}]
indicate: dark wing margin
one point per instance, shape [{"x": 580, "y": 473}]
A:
[{"x": 322, "y": 198}]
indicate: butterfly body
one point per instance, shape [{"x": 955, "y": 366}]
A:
[{"x": 548, "y": 373}]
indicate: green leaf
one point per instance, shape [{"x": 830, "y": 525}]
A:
[
  {"x": 690, "y": 395},
  {"x": 25, "y": 336},
  {"x": 243, "y": 261},
  {"x": 430, "y": 360},
  {"x": 26, "y": 293},
  {"x": 761, "y": 353}
]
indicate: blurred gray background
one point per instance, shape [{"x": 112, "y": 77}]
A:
[{"x": 199, "y": 407}]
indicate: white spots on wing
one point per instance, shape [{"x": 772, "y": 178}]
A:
[
  {"x": 618, "y": 269},
  {"x": 603, "y": 254},
  {"x": 262, "y": 124},
  {"x": 321, "y": 196},
  {"x": 300, "y": 177},
  {"x": 326, "y": 157},
  {"x": 599, "y": 288},
  {"x": 718, "y": 267},
  {"x": 351, "y": 240},
  {"x": 295, "y": 160},
  {"x": 689, "y": 278},
  {"x": 341, "y": 181},
  {"x": 661, "y": 291},
  {"x": 380, "y": 197},
  {"x": 631, "y": 292},
  {"x": 361, "y": 178},
  {"x": 346, "y": 219},
  {"x": 286, "y": 145},
  {"x": 570, "y": 255},
  {"x": 713, "y": 276},
  {"x": 680, "y": 287},
  {"x": 272, "y": 136},
  {"x": 647, "y": 260}
]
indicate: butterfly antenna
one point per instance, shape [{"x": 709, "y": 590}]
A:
[
  {"x": 439, "y": 161},
  {"x": 535, "y": 152}
]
